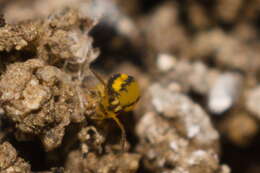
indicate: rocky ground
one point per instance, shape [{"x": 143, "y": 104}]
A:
[{"x": 197, "y": 63}]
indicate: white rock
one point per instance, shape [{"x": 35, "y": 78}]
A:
[
  {"x": 224, "y": 92},
  {"x": 165, "y": 62}
]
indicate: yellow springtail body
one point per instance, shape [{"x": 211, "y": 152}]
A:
[{"x": 120, "y": 94}]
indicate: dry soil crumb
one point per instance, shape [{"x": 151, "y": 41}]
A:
[{"x": 10, "y": 162}]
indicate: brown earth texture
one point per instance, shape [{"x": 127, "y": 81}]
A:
[{"x": 197, "y": 65}]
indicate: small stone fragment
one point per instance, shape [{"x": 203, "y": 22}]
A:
[
  {"x": 106, "y": 163},
  {"x": 7, "y": 155},
  {"x": 17, "y": 37},
  {"x": 10, "y": 162},
  {"x": 225, "y": 91},
  {"x": 90, "y": 139},
  {"x": 193, "y": 119},
  {"x": 228, "y": 10},
  {"x": 224, "y": 169},
  {"x": 246, "y": 128},
  {"x": 165, "y": 62}
]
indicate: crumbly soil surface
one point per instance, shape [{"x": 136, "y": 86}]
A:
[{"x": 197, "y": 64}]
